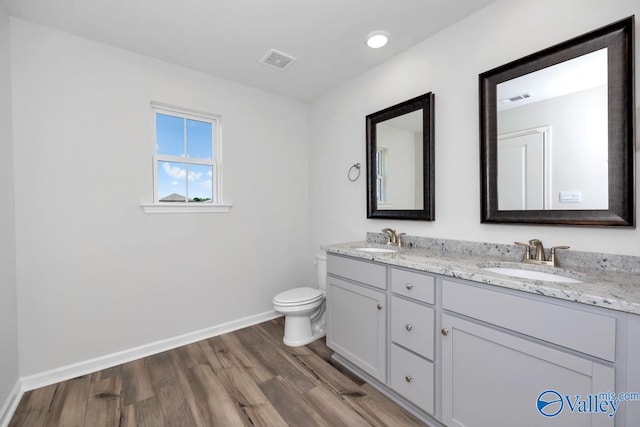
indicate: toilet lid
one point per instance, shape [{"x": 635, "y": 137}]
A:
[{"x": 298, "y": 296}]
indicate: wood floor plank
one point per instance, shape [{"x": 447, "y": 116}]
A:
[
  {"x": 161, "y": 370},
  {"x": 69, "y": 403},
  {"x": 335, "y": 410},
  {"x": 191, "y": 355},
  {"x": 34, "y": 407},
  {"x": 147, "y": 413},
  {"x": 379, "y": 410},
  {"x": 106, "y": 373},
  {"x": 136, "y": 382},
  {"x": 128, "y": 417},
  {"x": 103, "y": 407},
  {"x": 290, "y": 404},
  {"x": 175, "y": 410},
  {"x": 227, "y": 351},
  {"x": 182, "y": 366},
  {"x": 214, "y": 403},
  {"x": 247, "y": 358},
  {"x": 320, "y": 348},
  {"x": 279, "y": 358},
  {"x": 245, "y": 392},
  {"x": 275, "y": 328},
  {"x": 328, "y": 375}
]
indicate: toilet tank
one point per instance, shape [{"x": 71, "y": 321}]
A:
[{"x": 321, "y": 269}]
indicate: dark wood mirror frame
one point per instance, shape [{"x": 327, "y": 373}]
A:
[
  {"x": 427, "y": 213},
  {"x": 618, "y": 38}
]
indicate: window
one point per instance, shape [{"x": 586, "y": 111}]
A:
[
  {"x": 381, "y": 187},
  {"x": 186, "y": 159}
]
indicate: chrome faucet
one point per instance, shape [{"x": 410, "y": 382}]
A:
[
  {"x": 539, "y": 255},
  {"x": 393, "y": 238}
]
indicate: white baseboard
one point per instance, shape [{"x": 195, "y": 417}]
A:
[
  {"x": 82, "y": 368},
  {"x": 10, "y": 405}
]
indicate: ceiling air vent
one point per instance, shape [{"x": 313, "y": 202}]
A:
[
  {"x": 517, "y": 98},
  {"x": 278, "y": 60}
]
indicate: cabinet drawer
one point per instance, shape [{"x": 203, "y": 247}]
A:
[
  {"x": 588, "y": 333},
  {"x": 412, "y": 326},
  {"x": 413, "y": 285},
  {"x": 412, "y": 377},
  {"x": 360, "y": 271}
]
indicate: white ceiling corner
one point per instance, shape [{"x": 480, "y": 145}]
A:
[{"x": 228, "y": 38}]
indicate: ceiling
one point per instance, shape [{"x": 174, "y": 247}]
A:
[
  {"x": 228, "y": 38},
  {"x": 584, "y": 72}
]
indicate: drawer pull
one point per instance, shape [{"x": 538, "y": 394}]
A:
[
  {"x": 408, "y": 378},
  {"x": 379, "y": 306},
  {"x": 409, "y": 286},
  {"x": 445, "y": 331},
  {"x": 408, "y": 327}
]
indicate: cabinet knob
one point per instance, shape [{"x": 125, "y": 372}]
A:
[
  {"x": 408, "y": 378},
  {"x": 409, "y": 286},
  {"x": 379, "y": 306},
  {"x": 408, "y": 327},
  {"x": 445, "y": 331}
]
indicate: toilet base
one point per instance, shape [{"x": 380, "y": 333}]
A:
[{"x": 298, "y": 331}]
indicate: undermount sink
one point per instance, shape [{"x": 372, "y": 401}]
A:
[
  {"x": 376, "y": 250},
  {"x": 532, "y": 274}
]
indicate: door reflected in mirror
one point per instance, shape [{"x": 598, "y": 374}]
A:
[
  {"x": 552, "y": 137},
  {"x": 400, "y": 172}
]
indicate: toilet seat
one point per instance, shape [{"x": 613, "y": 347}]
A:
[{"x": 298, "y": 296}]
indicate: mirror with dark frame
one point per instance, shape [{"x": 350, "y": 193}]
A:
[
  {"x": 557, "y": 133},
  {"x": 400, "y": 161}
]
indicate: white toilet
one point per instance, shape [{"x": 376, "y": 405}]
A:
[{"x": 303, "y": 309}]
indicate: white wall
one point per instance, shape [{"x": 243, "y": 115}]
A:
[
  {"x": 95, "y": 274},
  {"x": 448, "y": 64},
  {"x": 8, "y": 312}
]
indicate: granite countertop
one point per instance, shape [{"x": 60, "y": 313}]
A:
[{"x": 600, "y": 286}]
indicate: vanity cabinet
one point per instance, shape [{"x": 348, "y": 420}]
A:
[
  {"x": 460, "y": 353},
  {"x": 495, "y": 375},
  {"x": 356, "y": 314}
]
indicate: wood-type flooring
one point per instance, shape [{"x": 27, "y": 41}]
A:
[{"x": 244, "y": 378}]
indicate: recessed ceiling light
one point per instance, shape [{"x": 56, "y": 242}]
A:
[{"x": 377, "y": 39}]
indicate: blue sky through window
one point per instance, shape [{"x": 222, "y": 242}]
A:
[
  {"x": 176, "y": 136},
  {"x": 169, "y": 135},
  {"x": 199, "y": 136}
]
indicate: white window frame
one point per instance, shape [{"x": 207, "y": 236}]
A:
[
  {"x": 381, "y": 177},
  {"x": 216, "y": 205}
]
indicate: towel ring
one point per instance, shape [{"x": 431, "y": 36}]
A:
[{"x": 350, "y": 173}]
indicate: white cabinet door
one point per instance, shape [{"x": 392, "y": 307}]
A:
[
  {"x": 491, "y": 378},
  {"x": 356, "y": 321}
]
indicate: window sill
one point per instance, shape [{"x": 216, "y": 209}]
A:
[{"x": 176, "y": 207}]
